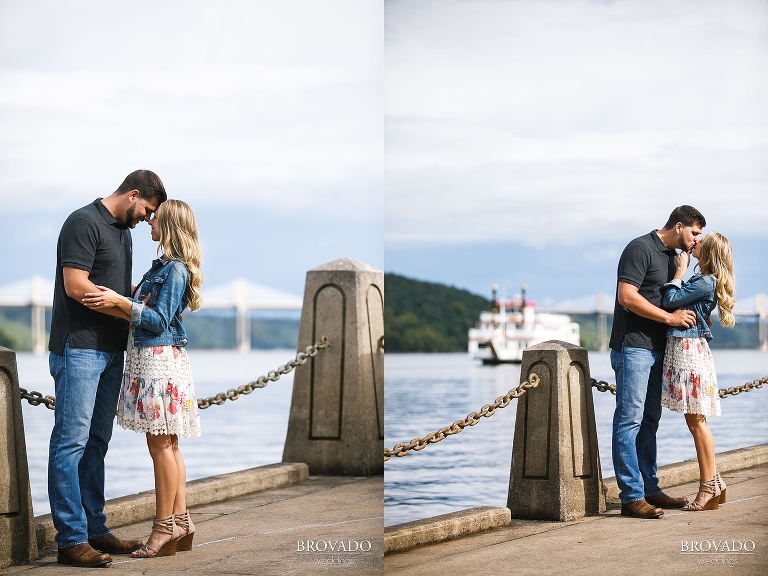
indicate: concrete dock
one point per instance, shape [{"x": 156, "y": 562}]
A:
[
  {"x": 278, "y": 530},
  {"x": 288, "y": 528},
  {"x": 730, "y": 540},
  {"x": 274, "y": 519}
]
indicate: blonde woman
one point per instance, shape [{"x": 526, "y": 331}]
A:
[
  {"x": 158, "y": 396},
  {"x": 689, "y": 383}
]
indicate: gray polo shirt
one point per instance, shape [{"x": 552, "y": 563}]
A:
[{"x": 91, "y": 239}]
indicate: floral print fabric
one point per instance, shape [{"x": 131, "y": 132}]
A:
[
  {"x": 158, "y": 394},
  {"x": 689, "y": 384}
]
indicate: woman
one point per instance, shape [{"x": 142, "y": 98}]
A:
[
  {"x": 158, "y": 396},
  {"x": 690, "y": 383}
]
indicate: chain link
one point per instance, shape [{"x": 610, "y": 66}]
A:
[
  {"x": 603, "y": 386},
  {"x": 473, "y": 418},
  {"x": 748, "y": 387},
  {"x": 36, "y": 398}
]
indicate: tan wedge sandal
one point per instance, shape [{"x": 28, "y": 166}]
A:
[
  {"x": 187, "y": 531},
  {"x": 711, "y": 489},
  {"x": 167, "y": 547},
  {"x": 722, "y": 486}
]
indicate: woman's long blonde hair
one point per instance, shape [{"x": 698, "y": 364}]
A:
[
  {"x": 716, "y": 259},
  {"x": 178, "y": 241}
]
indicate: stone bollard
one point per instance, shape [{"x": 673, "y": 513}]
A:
[
  {"x": 18, "y": 543},
  {"x": 336, "y": 424},
  {"x": 555, "y": 461}
]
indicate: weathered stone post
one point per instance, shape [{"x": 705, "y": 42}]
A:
[
  {"x": 555, "y": 461},
  {"x": 18, "y": 543},
  {"x": 336, "y": 424}
]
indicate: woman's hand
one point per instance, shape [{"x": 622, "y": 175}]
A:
[
  {"x": 104, "y": 299},
  {"x": 683, "y": 259}
]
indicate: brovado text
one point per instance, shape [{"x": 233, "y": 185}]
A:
[
  {"x": 349, "y": 546},
  {"x": 717, "y": 546}
]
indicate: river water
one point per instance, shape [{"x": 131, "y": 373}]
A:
[
  {"x": 426, "y": 392},
  {"x": 423, "y": 393},
  {"x": 237, "y": 435}
]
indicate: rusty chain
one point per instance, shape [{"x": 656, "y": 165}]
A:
[
  {"x": 262, "y": 381},
  {"x": 603, "y": 386},
  {"x": 748, "y": 387},
  {"x": 36, "y": 398},
  {"x": 473, "y": 418}
]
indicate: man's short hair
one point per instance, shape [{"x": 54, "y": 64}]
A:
[
  {"x": 147, "y": 183},
  {"x": 687, "y": 215}
]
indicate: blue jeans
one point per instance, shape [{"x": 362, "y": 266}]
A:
[
  {"x": 635, "y": 421},
  {"x": 87, "y": 388}
]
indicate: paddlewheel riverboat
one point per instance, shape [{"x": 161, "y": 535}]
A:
[{"x": 513, "y": 325}]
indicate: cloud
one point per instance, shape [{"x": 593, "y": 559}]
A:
[
  {"x": 263, "y": 104},
  {"x": 537, "y": 121},
  {"x": 265, "y": 116}
]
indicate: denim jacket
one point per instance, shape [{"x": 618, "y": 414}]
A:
[
  {"x": 697, "y": 294},
  {"x": 159, "y": 322}
]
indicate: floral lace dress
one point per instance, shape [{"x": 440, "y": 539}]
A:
[
  {"x": 158, "y": 394},
  {"x": 689, "y": 383}
]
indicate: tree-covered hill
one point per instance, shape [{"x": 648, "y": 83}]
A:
[{"x": 427, "y": 317}]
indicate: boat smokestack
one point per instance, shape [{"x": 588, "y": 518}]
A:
[
  {"x": 522, "y": 296},
  {"x": 494, "y": 296}
]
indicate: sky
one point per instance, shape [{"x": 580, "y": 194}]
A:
[
  {"x": 467, "y": 142},
  {"x": 527, "y": 141},
  {"x": 266, "y": 117}
]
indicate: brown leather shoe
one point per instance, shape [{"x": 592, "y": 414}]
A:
[
  {"x": 111, "y": 544},
  {"x": 641, "y": 509},
  {"x": 83, "y": 556},
  {"x": 661, "y": 500}
]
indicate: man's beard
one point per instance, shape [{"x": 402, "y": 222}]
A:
[{"x": 130, "y": 218}]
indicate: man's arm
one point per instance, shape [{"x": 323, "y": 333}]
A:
[
  {"x": 77, "y": 282},
  {"x": 629, "y": 297}
]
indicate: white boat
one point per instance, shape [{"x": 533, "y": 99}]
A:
[{"x": 513, "y": 325}]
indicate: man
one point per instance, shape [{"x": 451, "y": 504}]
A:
[
  {"x": 637, "y": 346},
  {"x": 86, "y": 362}
]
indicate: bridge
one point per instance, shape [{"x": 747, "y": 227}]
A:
[
  {"x": 244, "y": 296},
  {"x": 240, "y": 295}
]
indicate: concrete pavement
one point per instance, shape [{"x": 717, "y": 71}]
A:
[
  {"x": 286, "y": 531},
  {"x": 731, "y": 540},
  {"x": 277, "y": 520}
]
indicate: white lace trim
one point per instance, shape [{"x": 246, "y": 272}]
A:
[{"x": 158, "y": 427}]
